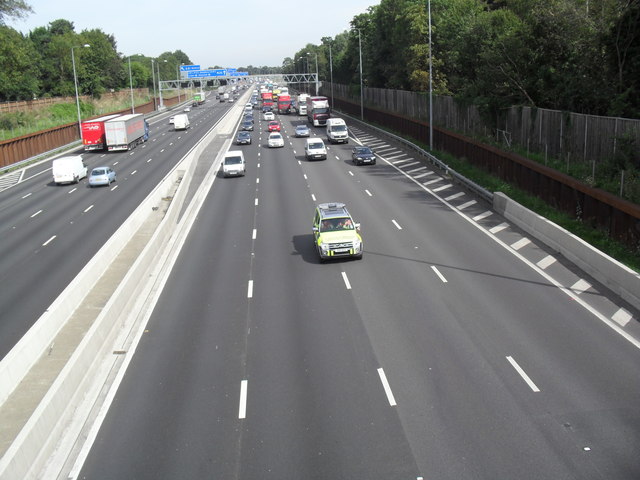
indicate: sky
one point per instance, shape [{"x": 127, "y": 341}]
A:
[{"x": 224, "y": 33}]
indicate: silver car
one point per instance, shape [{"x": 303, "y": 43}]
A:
[{"x": 101, "y": 176}]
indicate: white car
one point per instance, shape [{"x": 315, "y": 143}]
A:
[
  {"x": 275, "y": 140},
  {"x": 268, "y": 116},
  {"x": 187, "y": 109},
  {"x": 171, "y": 119}
]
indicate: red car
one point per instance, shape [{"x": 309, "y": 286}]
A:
[{"x": 274, "y": 126}]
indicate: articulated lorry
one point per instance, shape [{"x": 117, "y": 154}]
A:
[
  {"x": 318, "y": 111},
  {"x": 126, "y": 132},
  {"x": 301, "y": 103},
  {"x": 93, "y": 137}
]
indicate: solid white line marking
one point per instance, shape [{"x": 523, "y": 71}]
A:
[
  {"x": 313, "y": 197},
  {"x": 242, "y": 411},
  {"x": 48, "y": 241},
  {"x": 482, "y": 216},
  {"x": 435, "y": 269},
  {"x": 546, "y": 262},
  {"x": 523, "y": 242},
  {"x": 522, "y": 373},
  {"x": 27, "y": 195},
  {"x": 468, "y": 204},
  {"x": 255, "y": 232},
  {"x": 368, "y": 193},
  {"x": 580, "y": 286},
  {"x": 444, "y": 187},
  {"x": 387, "y": 388},
  {"x": 499, "y": 228},
  {"x": 88, "y": 208},
  {"x": 346, "y": 281},
  {"x": 36, "y": 214},
  {"x": 622, "y": 317},
  {"x": 396, "y": 224},
  {"x": 256, "y": 202},
  {"x": 72, "y": 190},
  {"x": 250, "y": 289}
]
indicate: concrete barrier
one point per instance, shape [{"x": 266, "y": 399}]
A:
[
  {"x": 622, "y": 280},
  {"x": 35, "y": 443}
]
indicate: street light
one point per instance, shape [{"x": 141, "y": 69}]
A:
[
  {"x": 331, "y": 74},
  {"x": 361, "y": 89},
  {"x": 430, "y": 83},
  {"x": 309, "y": 53},
  {"x": 153, "y": 80},
  {"x": 75, "y": 82},
  {"x": 133, "y": 110}
]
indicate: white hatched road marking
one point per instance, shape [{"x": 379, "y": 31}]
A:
[
  {"x": 499, "y": 228},
  {"x": 523, "y": 242},
  {"x": 411, "y": 165},
  {"x": 416, "y": 169},
  {"x": 580, "y": 286},
  {"x": 482, "y": 216},
  {"x": 454, "y": 196},
  {"x": 466, "y": 205},
  {"x": 522, "y": 373},
  {"x": 431, "y": 182},
  {"x": 622, "y": 317},
  {"x": 444, "y": 187},
  {"x": 421, "y": 175},
  {"x": 546, "y": 262}
]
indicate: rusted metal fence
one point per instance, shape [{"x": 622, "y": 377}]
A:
[
  {"x": 619, "y": 218},
  {"x": 27, "y": 146}
]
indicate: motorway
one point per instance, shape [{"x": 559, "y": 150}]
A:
[
  {"x": 448, "y": 352},
  {"x": 49, "y": 232}
]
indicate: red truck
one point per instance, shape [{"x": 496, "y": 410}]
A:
[
  {"x": 93, "y": 133},
  {"x": 267, "y": 99},
  {"x": 284, "y": 103}
]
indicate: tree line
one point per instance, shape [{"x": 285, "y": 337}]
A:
[{"x": 573, "y": 55}]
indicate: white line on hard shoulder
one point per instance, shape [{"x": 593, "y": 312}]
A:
[
  {"x": 36, "y": 214},
  {"x": 242, "y": 411},
  {"x": 88, "y": 208},
  {"x": 523, "y": 374},
  {"x": 387, "y": 387},
  {"x": 435, "y": 269},
  {"x": 49, "y": 241},
  {"x": 346, "y": 280},
  {"x": 396, "y": 224}
]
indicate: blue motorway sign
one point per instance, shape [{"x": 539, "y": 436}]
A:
[
  {"x": 189, "y": 68},
  {"x": 207, "y": 73}
]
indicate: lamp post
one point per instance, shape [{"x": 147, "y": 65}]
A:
[
  {"x": 430, "y": 83},
  {"x": 133, "y": 110},
  {"x": 361, "y": 89},
  {"x": 75, "y": 82},
  {"x": 153, "y": 80},
  {"x": 331, "y": 74},
  {"x": 160, "y": 86},
  {"x": 309, "y": 53}
]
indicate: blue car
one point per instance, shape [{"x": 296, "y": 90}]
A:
[{"x": 101, "y": 176}]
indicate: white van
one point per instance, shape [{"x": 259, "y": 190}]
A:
[
  {"x": 314, "y": 149},
  {"x": 69, "y": 169},
  {"x": 233, "y": 164},
  {"x": 181, "y": 121},
  {"x": 337, "y": 131}
]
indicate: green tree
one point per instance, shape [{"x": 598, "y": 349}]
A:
[
  {"x": 18, "y": 72},
  {"x": 13, "y": 9}
]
